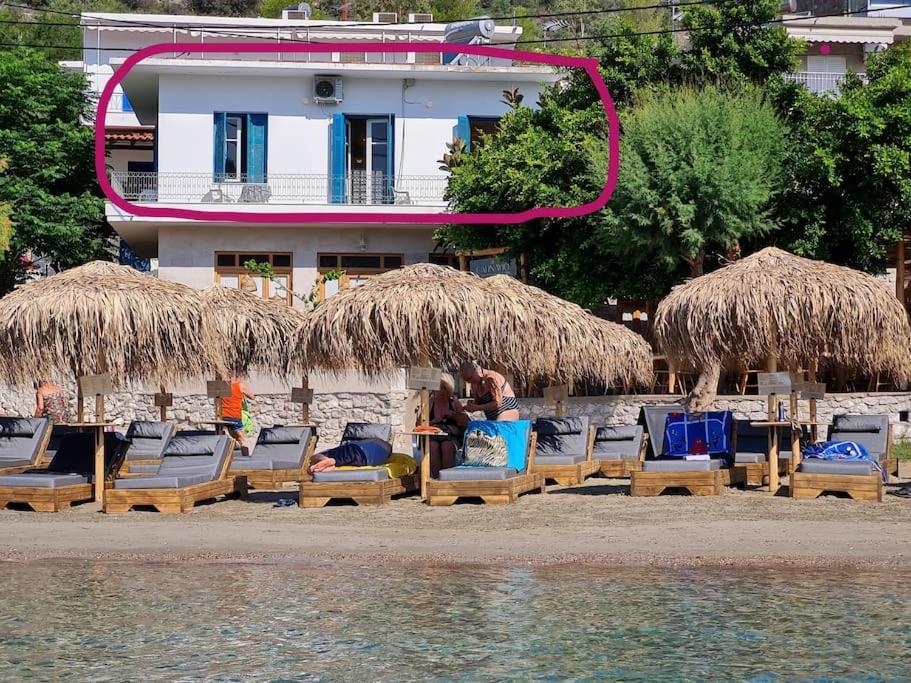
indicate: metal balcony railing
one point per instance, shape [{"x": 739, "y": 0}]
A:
[
  {"x": 355, "y": 188},
  {"x": 820, "y": 82}
]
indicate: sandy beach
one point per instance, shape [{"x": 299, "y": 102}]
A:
[{"x": 595, "y": 523}]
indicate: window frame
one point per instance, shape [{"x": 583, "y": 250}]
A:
[
  {"x": 349, "y": 273},
  {"x": 238, "y": 269}
]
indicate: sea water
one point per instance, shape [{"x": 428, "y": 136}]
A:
[{"x": 88, "y": 621}]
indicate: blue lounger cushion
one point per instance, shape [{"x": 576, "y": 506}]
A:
[
  {"x": 478, "y": 473},
  {"x": 50, "y": 480},
  {"x": 365, "y": 474},
  {"x": 681, "y": 465},
  {"x": 820, "y": 466}
]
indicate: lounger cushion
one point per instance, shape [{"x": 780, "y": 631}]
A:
[
  {"x": 559, "y": 459},
  {"x": 145, "y": 469},
  {"x": 148, "y": 440},
  {"x": 365, "y": 474},
  {"x": 191, "y": 445},
  {"x": 357, "y": 431},
  {"x": 870, "y": 431},
  {"x": 10, "y": 462},
  {"x": 48, "y": 480},
  {"x": 618, "y": 443},
  {"x": 21, "y": 426},
  {"x": 682, "y": 465},
  {"x": 283, "y": 435},
  {"x": 860, "y": 423},
  {"x": 21, "y": 439},
  {"x": 749, "y": 457},
  {"x": 478, "y": 473},
  {"x": 654, "y": 418},
  {"x": 160, "y": 482},
  {"x": 561, "y": 436},
  {"x": 820, "y": 466}
]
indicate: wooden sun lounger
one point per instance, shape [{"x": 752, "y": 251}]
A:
[
  {"x": 36, "y": 462},
  {"x": 708, "y": 483},
  {"x": 493, "y": 492},
  {"x": 867, "y": 487},
  {"x": 570, "y": 474},
  {"x": 618, "y": 469},
  {"x": 272, "y": 480},
  {"x": 173, "y": 500}
]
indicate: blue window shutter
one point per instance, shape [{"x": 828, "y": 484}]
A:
[
  {"x": 337, "y": 159},
  {"x": 462, "y": 131},
  {"x": 127, "y": 105},
  {"x": 390, "y": 156},
  {"x": 218, "y": 167},
  {"x": 256, "y": 148}
]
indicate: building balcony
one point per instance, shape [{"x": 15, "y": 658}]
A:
[
  {"x": 356, "y": 188},
  {"x": 821, "y": 83}
]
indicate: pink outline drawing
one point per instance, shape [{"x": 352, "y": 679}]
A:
[{"x": 588, "y": 64}]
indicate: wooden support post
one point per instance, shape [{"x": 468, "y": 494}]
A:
[
  {"x": 900, "y": 270},
  {"x": 560, "y": 409},
  {"x": 305, "y": 407},
  {"x": 814, "y": 428},
  {"x": 162, "y": 410},
  {"x": 99, "y": 461},
  {"x": 774, "y": 483},
  {"x": 794, "y": 415},
  {"x": 80, "y": 402}
]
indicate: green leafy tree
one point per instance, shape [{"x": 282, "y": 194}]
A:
[
  {"x": 223, "y": 8},
  {"x": 454, "y": 10},
  {"x": 6, "y": 223},
  {"x": 272, "y": 9},
  {"x": 699, "y": 170},
  {"x": 50, "y": 179},
  {"x": 849, "y": 195}
]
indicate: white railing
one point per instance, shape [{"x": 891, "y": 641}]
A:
[
  {"x": 820, "y": 82},
  {"x": 355, "y": 188}
]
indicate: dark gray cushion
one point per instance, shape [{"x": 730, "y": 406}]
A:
[
  {"x": 561, "y": 436},
  {"x": 749, "y": 457},
  {"x": 278, "y": 455},
  {"x": 477, "y": 473},
  {"x": 682, "y": 465},
  {"x": 159, "y": 482},
  {"x": 870, "y": 431},
  {"x": 21, "y": 426},
  {"x": 21, "y": 438},
  {"x": 357, "y": 431},
  {"x": 820, "y": 466},
  {"x": 352, "y": 475},
  {"x": 148, "y": 440},
  {"x": 196, "y": 445},
  {"x": 860, "y": 423},
  {"x": 14, "y": 462},
  {"x": 145, "y": 469},
  {"x": 559, "y": 459},
  {"x": 283, "y": 435},
  {"x": 618, "y": 443},
  {"x": 618, "y": 433},
  {"x": 48, "y": 480}
]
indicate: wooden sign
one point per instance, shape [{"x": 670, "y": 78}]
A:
[
  {"x": 301, "y": 395},
  {"x": 218, "y": 389},
  {"x": 424, "y": 378},
  {"x": 96, "y": 385},
  {"x": 558, "y": 393},
  {"x": 773, "y": 383},
  {"x": 164, "y": 400},
  {"x": 813, "y": 390}
]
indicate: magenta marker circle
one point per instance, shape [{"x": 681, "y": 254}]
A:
[
  {"x": 590, "y": 66},
  {"x": 825, "y": 49}
]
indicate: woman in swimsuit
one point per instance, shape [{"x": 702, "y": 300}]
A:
[
  {"x": 492, "y": 393},
  {"x": 447, "y": 414},
  {"x": 50, "y": 402}
]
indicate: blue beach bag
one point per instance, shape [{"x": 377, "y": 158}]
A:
[{"x": 698, "y": 433}]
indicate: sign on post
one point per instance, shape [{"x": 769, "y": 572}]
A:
[
  {"x": 813, "y": 390},
  {"x": 558, "y": 393},
  {"x": 773, "y": 383},
  {"x": 164, "y": 400},
  {"x": 218, "y": 388},
  {"x": 424, "y": 378},
  {"x": 96, "y": 385},
  {"x": 301, "y": 395},
  {"x": 490, "y": 266}
]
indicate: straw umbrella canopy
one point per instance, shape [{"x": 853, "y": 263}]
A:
[
  {"x": 793, "y": 311},
  {"x": 247, "y": 333},
  {"x": 102, "y": 318},
  {"x": 590, "y": 347},
  {"x": 427, "y": 314}
]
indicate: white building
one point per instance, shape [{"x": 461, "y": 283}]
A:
[{"x": 289, "y": 131}]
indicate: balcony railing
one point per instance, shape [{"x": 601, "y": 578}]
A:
[
  {"x": 821, "y": 82},
  {"x": 356, "y": 188}
]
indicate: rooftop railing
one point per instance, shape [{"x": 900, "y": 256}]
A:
[{"x": 821, "y": 82}]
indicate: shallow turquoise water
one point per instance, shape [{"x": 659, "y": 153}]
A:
[{"x": 241, "y": 622}]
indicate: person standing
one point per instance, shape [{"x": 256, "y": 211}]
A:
[
  {"x": 490, "y": 392},
  {"x": 50, "y": 402},
  {"x": 232, "y": 413}
]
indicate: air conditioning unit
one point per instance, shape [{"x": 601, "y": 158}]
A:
[
  {"x": 385, "y": 18},
  {"x": 420, "y": 18},
  {"x": 327, "y": 89}
]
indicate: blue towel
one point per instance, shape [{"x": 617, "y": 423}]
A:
[
  {"x": 515, "y": 434},
  {"x": 698, "y": 433},
  {"x": 843, "y": 450}
]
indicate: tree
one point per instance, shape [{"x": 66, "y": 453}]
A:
[
  {"x": 849, "y": 198},
  {"x": 6, "y": 223},
  {"x": 50, "y": 181},
  {"x": 699, "y": 170},
  {"x": 222, "y": 8}
]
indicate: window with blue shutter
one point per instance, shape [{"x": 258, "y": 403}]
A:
[
  {"x": 256, "y": 148},
  {"x": 218, "y": 171},
  {"x": 462, "y": 131},
  {"x": 337, "y": 165},
  {"x": 126, "y": 105},
  {"x": 240, "y": 147}
]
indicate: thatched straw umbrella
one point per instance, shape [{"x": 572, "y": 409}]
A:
[
  {"x": 777, "y": 306},
  {"x": 775, "y": 309},
  {"x": 102, "y": 318},
  {"x": 247, "y": 333}
]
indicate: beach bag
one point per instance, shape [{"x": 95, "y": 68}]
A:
[
  {"x": 484, "y": 450},
  {"x": 705, "y": 433},
  {"x": 245, "y": 418}
]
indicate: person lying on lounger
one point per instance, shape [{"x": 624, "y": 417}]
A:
[{"x": 362, "y": 453}]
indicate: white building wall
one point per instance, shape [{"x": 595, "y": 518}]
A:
[{"x": 299, "y": 129}]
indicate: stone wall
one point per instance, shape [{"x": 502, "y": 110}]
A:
[{"x": 624, "y": 409}]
